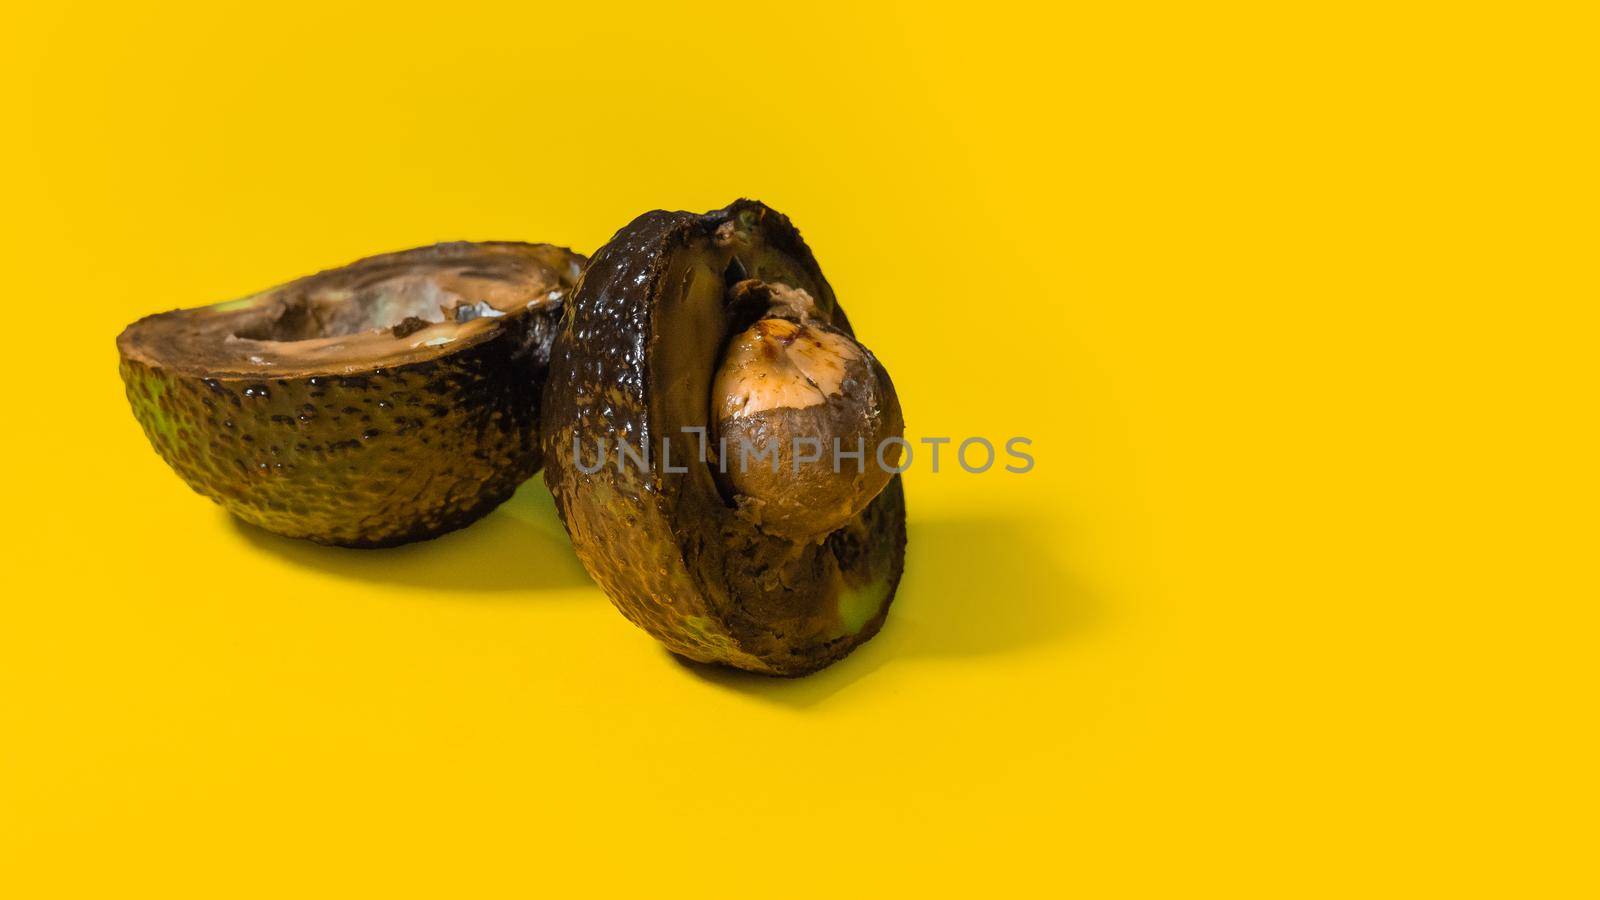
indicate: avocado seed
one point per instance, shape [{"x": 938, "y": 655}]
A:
[{"x": 801, "y": 410}]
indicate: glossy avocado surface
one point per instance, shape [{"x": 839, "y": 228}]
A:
[
  {"x": 633, "y": 363},
  {"x": 387, "y": 401}
]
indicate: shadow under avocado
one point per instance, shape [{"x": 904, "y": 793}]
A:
[
  {"x": 972, "y": 588},
  {"x": 521, "y": 546}
]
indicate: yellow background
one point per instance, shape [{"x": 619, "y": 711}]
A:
[{"x": 1296, "y": 302}]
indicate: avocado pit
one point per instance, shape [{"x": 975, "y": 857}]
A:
[{"x": 801, "y": 411}]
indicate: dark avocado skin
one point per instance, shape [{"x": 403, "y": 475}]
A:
[
  {"x": 638, "y": 344},
  {"x": 371, "y": 459}
]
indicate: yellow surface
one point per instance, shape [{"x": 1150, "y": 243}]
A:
[{"x": 1297, "y": 307}]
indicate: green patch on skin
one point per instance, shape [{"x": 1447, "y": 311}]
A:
[
  {"x": 699, "y": 626},
  {"x": 156, "y": 419},
  {"x": 857, "y": 605},
  {"x": 708, "y": 634},
  {"x": 231, "y": 305}
]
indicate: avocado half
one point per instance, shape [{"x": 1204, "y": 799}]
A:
[
  {"x": 390, "y": 400},
  {"x": 633, "y": 363}
]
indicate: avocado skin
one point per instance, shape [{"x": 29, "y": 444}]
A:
[
  {"x": 371, "y": 459},
  {"x": 672, "y": 556}
]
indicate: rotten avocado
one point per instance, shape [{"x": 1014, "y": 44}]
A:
[
  {"x": 722, "y": 325},
  {"x": 387, "y": 401}
]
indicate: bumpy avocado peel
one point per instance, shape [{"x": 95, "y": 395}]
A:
[
  {"x": 632, "y": 362},
  {"x": 351, "y": 454}
]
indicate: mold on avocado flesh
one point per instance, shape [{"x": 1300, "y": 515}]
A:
[
  {"x": 390, "y": 400},
  {"x": 641, "y": 342}
]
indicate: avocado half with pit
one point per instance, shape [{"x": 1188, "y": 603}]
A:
[
  {"x": 390, "y": 400},
  {"x": 688, "y": 327}
]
